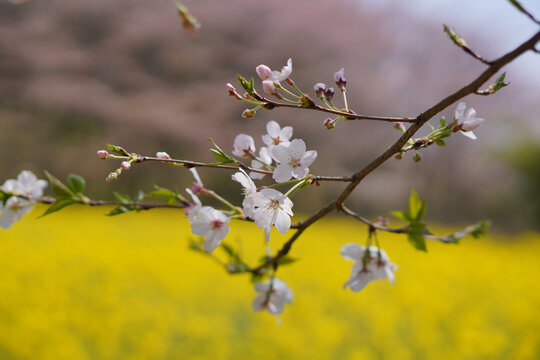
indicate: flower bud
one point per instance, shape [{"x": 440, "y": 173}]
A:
[
  {"x": 328, "y": 123},
  {"x": 163, "y": 155},
  {"x": 329, "y": 93},
  {"x": 263, "y": 71},
  {"x": 112, "y": 176},
  {"x": 248, "y": 114},
  {"x": 340, "y": 80},
  {"x": 232, "y": 91},
  {"x": 417, "y": 157},
  {"x": 399, "y": 126},
  {"x": 319, "y": 89},
  {"x": 126, "y": 165},
  {"x": 103, "y": 154}
]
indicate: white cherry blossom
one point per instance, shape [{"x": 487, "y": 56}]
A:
[
  {"x": 294, "y": 160},
  {"x": 210, "y": 223},
  {"x": 373, "y": 265},
  {"x": 276, "y": 135},
  {"x": 467, "y": 120},
  {"x": 244, "y": 146},
  {"x": 269, "y": 207},
  {"x": 278, "y": 76},
  {"x": 273, "y": 302},
  {"x": 26, "y": 184},
  {"x": 249, "y": 189},
  {"x": 263, "y": 162}
]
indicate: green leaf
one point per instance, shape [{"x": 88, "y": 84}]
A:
[
  {"x": 431, "y": 127},
  {"x": 118, "y": 150},
  {"x": 58, "y": 187},
  {"x": 221, "y": 157},
  {"x": 286, "y": 260},
  {"x": 247, "y": 85},
  {"x": 162, "y": 192},
  {"x": 442, "y": 123},
  {"x": 402, "y": 215},
  {"x": 417, "y": 208},
  {"x": 76, "y": 183},
  {"x": 481, "y": 229},
  {"x": 58, "y": 205},
  {"x": 440, "y": 142},
  {"x": 120, "y": 210},
  {"x": 498, "y": 85},
  {"x": 122, "y": 198},
  {"x": 458, "y": 40},
  {"x": 415, "y": 235}
]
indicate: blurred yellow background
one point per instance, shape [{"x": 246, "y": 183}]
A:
[{"x": 79, "y": 285}]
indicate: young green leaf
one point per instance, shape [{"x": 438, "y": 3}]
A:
[
  {"x": 58, "y": 205},
  {"x": 122, "y": 198},
  {"x": 58, "y": 187},
  {"x": 118, "y": 150},
  {"x": 76, "y": 183},
  {"x": 120, "y": 210},
  {"x": 417, "y": 208},
  {"x": 415, "y": 235},
  {"x": 402, "y": 215}
]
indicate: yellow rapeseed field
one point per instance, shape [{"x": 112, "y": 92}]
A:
[{"x": 79, "y": 285}]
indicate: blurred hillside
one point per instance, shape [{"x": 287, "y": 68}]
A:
[{"x": 79, "y": 74}]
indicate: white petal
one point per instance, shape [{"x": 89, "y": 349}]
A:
[
  {"x": 353, "y": 252},
  {"x": 469, "y": 134},
  {"x": 286, "y": 133},
  {"x": 297, "y": 146},
  {"x": 200, "y": 228},
  {"x": 281, "y": 153},
  {"x": 299, "y": 172},
  {"x": 283, "y": 222},
  {"x": 282, "y": 173},
  {"x": 273, "y": 129},
  {"x": 308, "y": 158},
  {"x": 460, "y": 110}
]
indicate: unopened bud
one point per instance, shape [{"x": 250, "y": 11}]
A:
[
  {"x": 329, "y": 93},
  {"x": 340, "y": 80},
  {"x": 263, "y": 71},
  {"x": 232, "y": 91},
  {"x": 112, "y": 176},
  {"x": 319, "y": 89},
  {"x": 417, "y": 157},
  {"x": 248, "y": 114},
  {"x": 163, "y": 155},
  {"x": 126, "y": 165},
  {"x": 103, "y": 154},
  {"x": 399, "y": 126},
  {"x": 399, "y": 156},
  {"x": 329, "y": 124}
]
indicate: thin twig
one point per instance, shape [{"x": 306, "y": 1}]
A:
[{"x": 346, "y": 115}]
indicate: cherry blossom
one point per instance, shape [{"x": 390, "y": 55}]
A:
[
  {"x": 276, "y": 135},
  {"x": 273, "y": 295},
  {"x": 26, "y": 184},
  {"x": 263, "y": 162},
  {"x": 210, "y": 223},
  {"x": 278, "y": 76},
  {"x": 244, "y": 146},
  {"x": 294, "y": 160},
  {"x": 269, "y": 207},
  {"x": 373, "y": 265},
  {"x": 263, "y": 71},
  {"x": 467, "y": 121}
]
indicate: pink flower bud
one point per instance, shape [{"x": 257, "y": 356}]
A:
[
  {"x": 248, "y": 113},
  {"x": 263, "y": 71},
  {"x": 163, "y": 155},
  {"x": 399, "y": 126},
  {"x": 340, "y": 80},
  {"x": 102, "y": 154},
  {"x": 232, "y": 91},
  {"x": 328, "y": 123},
  {"x": 319, "y": 89},
  {"x": 329, "y": 93},
  {"x": 125, "y": 165}
]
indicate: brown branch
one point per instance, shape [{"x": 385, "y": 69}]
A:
[
  {"x": 140, "y": 206},
  {"x": 421, "y": 119},
  {"x": 347, "y": 115},
  {"x": 373, "y": 225},
  {"x": 524, "y": 11}
]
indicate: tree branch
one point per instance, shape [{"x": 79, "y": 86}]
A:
[{"x": 421, "y": 119}]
